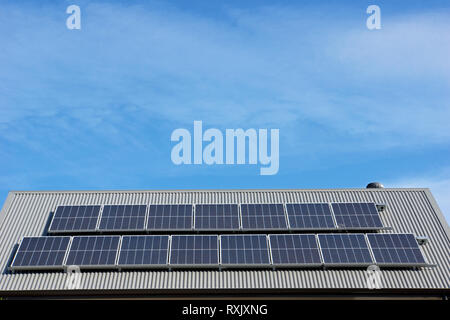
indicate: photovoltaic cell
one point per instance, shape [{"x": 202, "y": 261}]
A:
[
  {"x": 123, "y": 217},
  {"x": 396, "y": 249},
  {"x": 244, "y": 250},
  {"x": 216, "y": 217},
  {"x": 294, "y": 249},
  {"x": 263, "y": 216},
  {"x": 93, "y": 251},
  {"x": 75, "y": 219},
  {"x": 170, "y": 217},
  {"x": 144, "y": 250},
  {"x": 357, "y": 216},
  {"x": 345, "y": 249},
  {"x": 194, "y": 250},
  {"x": 310, "y": 216},
  {"x": 41, "y": 253}
]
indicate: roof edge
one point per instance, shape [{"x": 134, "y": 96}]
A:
[
  {"x": 215, "y": 190},
  {"x": 6, "y": 206},
  {"x": 439, "y": 213}
]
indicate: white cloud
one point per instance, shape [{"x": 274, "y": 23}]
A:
[{"x": 266, "y": 67}]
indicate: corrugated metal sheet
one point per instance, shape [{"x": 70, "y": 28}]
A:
[{"x": 408, "y": 210}]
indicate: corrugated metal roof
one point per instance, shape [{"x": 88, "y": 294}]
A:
[{"x": 26, "y": 213}]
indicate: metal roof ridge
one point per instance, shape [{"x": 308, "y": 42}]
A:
[{"x": 215, "y": 190}]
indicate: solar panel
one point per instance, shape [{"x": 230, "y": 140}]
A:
[
  {"x": 123, "y": 217},
  {"x": 294, "y": 249},
  {"x": 216, "y": 217},
  {"x": 170, "y": 217},
  {"x": 244, "y": 250},
  {"x": 40, "y": 253},
  {"x": 139, "y": 251},
  {"x": 75, "y": 219},
  {"x": 309, "y": 216},
  {"x": 396, "y": 249},
  {"x": 357, "y": 216},
  {"x": 345, "y": 249},
  {"x": 93, "y": 251},
  {"x": 263, "y": 216},
  {"x": 194, "y": 250}
]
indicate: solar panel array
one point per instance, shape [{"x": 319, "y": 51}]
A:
[
  {"x": 215, "y": 217},
  {"x": 93, "y": 251},
  {"x": 123, "y": 217},
  {"x": 144, "y": 251},
  {"x": 41, "y": 252},
  {"x": 345, "y": 249},
  {"x": 170, "y": 217},
  {"x": 75, "y": 219},
  {"x": 244, "y": 250},
  {"x": 357, "y": 216},
  {"x": 395, "y": 249},
  {"x": 263, "y": 216},
  {"x": 292, "y": 249},
  {"x": 230, "y": 250},
  {"x": 310, "y": 216},
  {"x": 208, "y": 251},
  {"x": 194, "y": 250}
]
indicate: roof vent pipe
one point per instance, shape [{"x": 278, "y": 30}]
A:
[{"x": 374, "y": 185}]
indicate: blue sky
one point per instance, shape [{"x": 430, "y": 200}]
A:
[{"x": 94, "y": 108}]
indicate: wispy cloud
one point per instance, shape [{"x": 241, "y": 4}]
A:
[
  {"x": 109, "y": 96},
  {"x": 269, "y": 66}
]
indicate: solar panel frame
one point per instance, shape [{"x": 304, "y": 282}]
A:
[
  {"x": 150, "y": 218},
  {"x": 362, "y": 241},
  {"x": 63, "y": 252},
  {"x": 377, "y": 254},
  {"x": 100, "y": 227},
  {"x": 246, "y": 264},
  {"x": 331, "y": 221},
  {"x": 98, "y": 265},
  {"x": 342, "y": 224},
  {"x": 312, "y": 237},
  {"x": 52, "y": 230},
  {"x": 234, "y": 220},
  {"x": 248, "y": 224},
  {"x": 195, "y": 265},
  {"x": 146, "y": 265}
]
